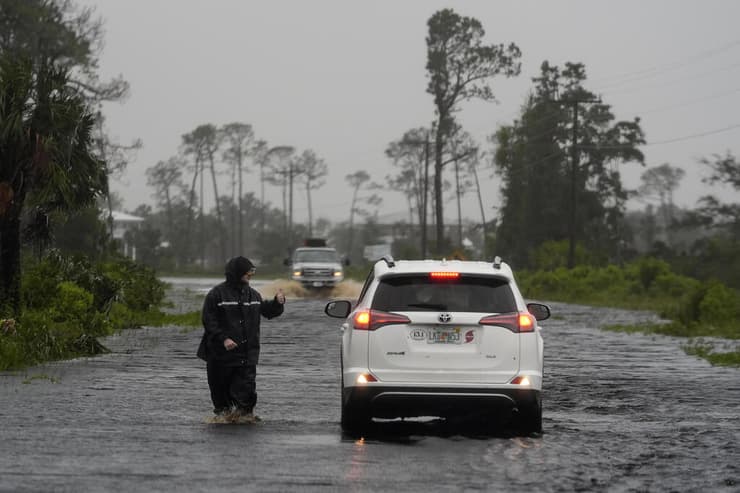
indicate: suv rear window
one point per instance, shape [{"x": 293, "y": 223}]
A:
[{"x": 465, "y": 294}]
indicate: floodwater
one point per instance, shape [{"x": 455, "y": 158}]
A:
[{"x": 621, "y": 413}]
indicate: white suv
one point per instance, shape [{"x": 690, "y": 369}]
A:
[{"x": 440, "y": 338}]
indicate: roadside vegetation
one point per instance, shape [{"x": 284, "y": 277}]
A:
[
  {"x": 691, "y": 308},
  {"x": 562, "y": 222},
  {"x": 69, "y": 303}
]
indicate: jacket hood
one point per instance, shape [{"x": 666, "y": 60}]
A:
[{"x": 236, "y": 268}]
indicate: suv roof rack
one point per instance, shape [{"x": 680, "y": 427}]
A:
[
  {"x": 388, "y": 260},
  {"x": 496, "y": 262}
]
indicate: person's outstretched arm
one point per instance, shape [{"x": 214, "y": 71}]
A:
[{"x": 274, "y": 307}]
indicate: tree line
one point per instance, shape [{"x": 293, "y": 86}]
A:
[{"x": 562, "y": 197}]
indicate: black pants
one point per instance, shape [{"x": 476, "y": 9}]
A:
[{"x": 232, "y": 386}]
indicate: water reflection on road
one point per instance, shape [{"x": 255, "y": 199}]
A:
[{"x": 622, "y": 413}]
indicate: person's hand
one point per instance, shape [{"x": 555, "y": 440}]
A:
[
  {"x": 229, "y": 344},
  {"x": 280, "y": 297}
]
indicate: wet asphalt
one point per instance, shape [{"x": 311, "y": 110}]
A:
[{"x": 621, "y": 413}]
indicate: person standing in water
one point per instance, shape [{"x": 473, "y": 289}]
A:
[{"x": 231, "y": 339}]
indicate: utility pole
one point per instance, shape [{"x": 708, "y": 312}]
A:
[{"x": 574, "y": 167}]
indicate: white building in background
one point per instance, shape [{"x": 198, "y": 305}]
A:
[{"x": 122, "y": 223}]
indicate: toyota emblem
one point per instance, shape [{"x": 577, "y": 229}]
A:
[{"x": 444, "y": 317}]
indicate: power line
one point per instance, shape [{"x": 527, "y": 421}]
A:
[
  {"x": 702, "y": 75},
  {"x": 656, "y": 71},
  {"x": 689, "y": 102},
  {"x": 695, "y": 136},
  {"x": 666, "y": 141}
]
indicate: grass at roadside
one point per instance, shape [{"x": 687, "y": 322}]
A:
[
  {"x": 717, "y": 358},
  {"x": 696, "y": 345},
  {"x": 190, "y": 320},
  {"x": 692, "y": 308}
]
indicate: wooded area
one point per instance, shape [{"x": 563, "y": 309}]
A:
[{"x": 563, "y": 201}]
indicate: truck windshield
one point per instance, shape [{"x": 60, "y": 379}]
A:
[{"x": 316, "y": 256}]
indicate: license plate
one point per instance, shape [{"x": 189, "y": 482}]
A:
[
  {"x": 317, "y": 284},
  {"x": 444, "y": 336}
]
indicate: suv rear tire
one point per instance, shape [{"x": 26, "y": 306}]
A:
[
  {"x": 530, "y": 417},
  {"x": 353, "y": 420}
]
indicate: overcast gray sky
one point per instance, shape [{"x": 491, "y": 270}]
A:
[{"x": 344, "y": 78}]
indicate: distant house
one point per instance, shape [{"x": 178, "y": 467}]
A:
[{"x": 123, "y": 223}]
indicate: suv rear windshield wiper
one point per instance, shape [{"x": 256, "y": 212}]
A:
[{"x": 430, "y": 306}]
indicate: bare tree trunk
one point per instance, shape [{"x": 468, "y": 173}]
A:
[
  {"x": 240, "y": 241},
  {"x": 10, "y": 257},
  {"x": 424, "y": 200},
  {"x": 439, "y": 213},
  {"x": 191, "y": 218},
  {"x": 262, "y": 199},
  {"x": 482, "y": 211},
  {"x": 104, "y": 158},
  {"x": 218, "y": 206},
  {"x": 290, "y": 210},
  {"x": 310, "y": 211},
  {"x": 232, "y": 215},
  {"x": 285, "y": 205},
  {"x": 410, "y": 203},
  {"x": 351, "y": 222},
  {"x": 459, "y": 208},
  {"x": 202, "y": 219}
]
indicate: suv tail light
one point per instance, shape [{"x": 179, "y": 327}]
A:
[
  {"x": 515, "y": 322},
  {"x": 372, "y": 319}
]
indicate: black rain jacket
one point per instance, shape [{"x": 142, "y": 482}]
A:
[{"x": 232, "y": 310}]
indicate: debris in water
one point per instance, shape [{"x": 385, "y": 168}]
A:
[
  {"x": 346, "y": 289},
  {"x": 294, "y": 289}
]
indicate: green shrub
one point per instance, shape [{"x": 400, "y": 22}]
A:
[
  {"x": 70, "y": 302},
  {"x": 646, "y": 270},
  {"x": 67, "y": 303},
  {"x": 552, "y": 255},
  {"x": 709, "y": 303},
  {"x": 719, "y": 305},
  {"x": 43, "y": 276},
  {"x": 139, "y": 288},
  {"x": 11, "y": 347},
  {"x": 670, "y": 285}
]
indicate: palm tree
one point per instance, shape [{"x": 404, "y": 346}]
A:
[{"x": 46, "y": 156}]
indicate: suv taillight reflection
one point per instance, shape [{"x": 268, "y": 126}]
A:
[
  {"x": 372, "y": 319},
  {"x": 515, "y": 322}
]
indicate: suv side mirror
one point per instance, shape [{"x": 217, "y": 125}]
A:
[
  {"x": 540, "y": 311},
  {"x": 338, "y": 309},
  {"x": 287, "y": 262},
  {"x": 345, "y": 261}
]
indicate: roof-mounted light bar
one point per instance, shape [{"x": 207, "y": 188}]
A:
[{"x": 496, "y": 262}]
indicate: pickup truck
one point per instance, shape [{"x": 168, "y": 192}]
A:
[{"x": 316, "y": 267}]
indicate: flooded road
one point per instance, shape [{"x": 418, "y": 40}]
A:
[{"x": 622, "y": 412}]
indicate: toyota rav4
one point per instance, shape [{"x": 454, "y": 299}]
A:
[{"x": 440, "y": 338}]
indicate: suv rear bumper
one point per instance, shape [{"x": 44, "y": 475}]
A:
[{"x": 395, "y": 402}]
